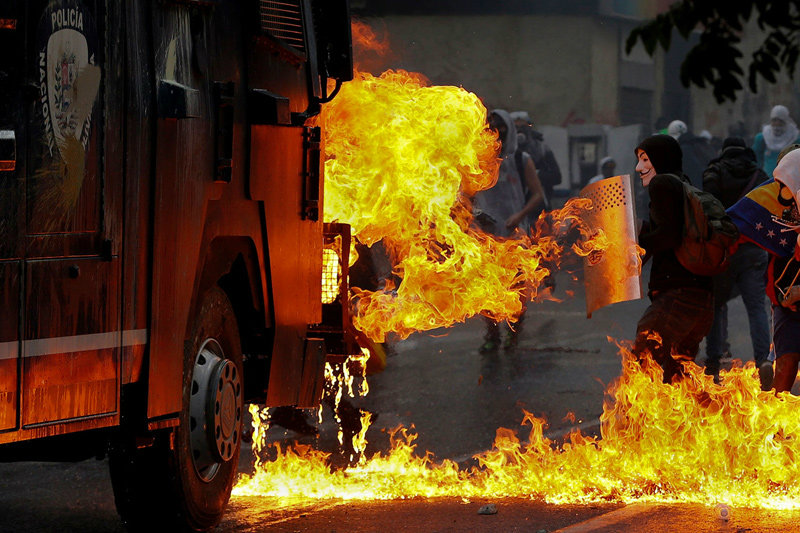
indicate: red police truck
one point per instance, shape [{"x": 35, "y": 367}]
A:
[{"x": 161, "y": 235}]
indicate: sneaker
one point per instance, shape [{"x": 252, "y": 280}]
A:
[
  {"x": 489, "y": 346},
  {"x": 766, "y": 374}
]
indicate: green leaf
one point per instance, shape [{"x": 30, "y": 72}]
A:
[
  {"x": 716, "y": 59},
  {"x": 693, "y": 70},
  {"x": 685, "y": 20},
  {"x": 649, "y": 40},
  {"x": 790, "y": 58},
  {"x": 633, "y": 37},
  {"x": 665, "y": 35},
  {"x": 770, "y": 63},
  {"x": 751, "y": 78}
]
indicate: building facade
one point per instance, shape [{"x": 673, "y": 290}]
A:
[{"x": 565, "y": 63}]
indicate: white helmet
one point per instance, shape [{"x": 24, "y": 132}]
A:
[{"x": 676, "y": 128}]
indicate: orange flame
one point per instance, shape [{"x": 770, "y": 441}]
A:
[
  {"x": 690, "y": 442},
  {"x": 403, "y": 157},
  {"x": 400, "y": 156},
  {"x": 366, "y": 40}
]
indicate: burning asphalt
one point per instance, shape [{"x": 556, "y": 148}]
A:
[
  {"x": 456, "y": 399},
  {"x": 402, "y": 159},
  {"x": 582, "y": 432},
  {"x": 395, "y": 177}
]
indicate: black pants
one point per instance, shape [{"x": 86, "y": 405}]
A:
[{"x": 673, "y": 326}]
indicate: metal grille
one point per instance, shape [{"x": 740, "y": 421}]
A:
[
  {"x": 608, "y": 197},
  {"x": 612, "y": 274},
  {"x": 283, "y": 20},
  {"x": 331, "y": 275}
]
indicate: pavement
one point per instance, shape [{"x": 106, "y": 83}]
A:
[
  {"x": 513, "y": 515},
  {"x": 455, "y": 398}
]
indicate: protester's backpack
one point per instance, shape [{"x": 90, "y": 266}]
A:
[
  {"x": 546, "y": 165},
  {"x": 709, "y": 235},
  {"x": 520, "y": 163}
]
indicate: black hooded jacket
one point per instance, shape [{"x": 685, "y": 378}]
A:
[
  {"x": 733, "y": 174},
  {"x": 663, "y": 233},
  {"x": 533, "y": 143}
]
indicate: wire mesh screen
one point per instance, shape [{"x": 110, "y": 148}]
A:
[
  {"x": 612, "y": 274},
  {"x": 331, "y": 275},
  {"x": 283, "y": 20},
  {"x": 611, "y": 196}
]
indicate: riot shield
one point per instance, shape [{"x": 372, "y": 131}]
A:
[{"x": 613, "y": 274}]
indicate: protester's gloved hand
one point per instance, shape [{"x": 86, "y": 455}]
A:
[{"x": 790, "y": 297}]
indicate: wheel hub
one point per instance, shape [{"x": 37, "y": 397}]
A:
[
  {"x": 226, "y": 413},
  {"x": 215, "y": 409}
]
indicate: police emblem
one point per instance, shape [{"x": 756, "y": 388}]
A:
[{"x": 69, "y": 77}]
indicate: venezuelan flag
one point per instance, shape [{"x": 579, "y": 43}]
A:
[{"x": 753, "y": 216}]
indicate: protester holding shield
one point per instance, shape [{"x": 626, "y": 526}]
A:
[{"x": 681, "y": 303}]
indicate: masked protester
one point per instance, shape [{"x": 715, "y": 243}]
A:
[
  {"x": 681, "y": 303},
  {"x": 784, "y": 280},
  {"x": 503, "y": 209},
  {"x": 768, "y": 217},
  {"x": 774, "y": 137}
]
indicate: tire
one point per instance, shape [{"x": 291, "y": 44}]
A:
[{"x": 185, "y": 479}]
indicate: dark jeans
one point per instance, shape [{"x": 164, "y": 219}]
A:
[
  {"x": 786, "y": 330},
  {"x": 679, "y": 318},
  {"x": 746, "y": 274}
]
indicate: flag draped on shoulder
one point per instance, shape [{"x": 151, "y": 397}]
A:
[{"x": 759, "y": 214}]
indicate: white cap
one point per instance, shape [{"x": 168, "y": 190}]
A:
[
  {"x": 788, "y": 172},
  {"x": 676, "y": 128},
  {"x": 780, "y": 112},
  {"x": 521, "y": 115}
]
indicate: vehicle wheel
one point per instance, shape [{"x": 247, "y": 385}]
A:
[{"x": 185, "y": 479}]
